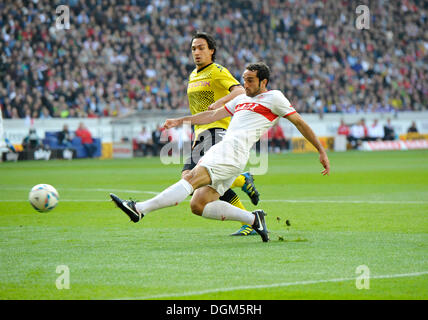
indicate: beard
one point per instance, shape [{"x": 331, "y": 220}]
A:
[{"x": 253, "y": 93}]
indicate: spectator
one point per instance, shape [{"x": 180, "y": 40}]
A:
[
  {"x": 174, "y": 139},
  {"x": 389, "y": 131},
  {"x": 412, "y": 128},
  {"x": 375, "y": 131},
  {"x": 343, "y": 129},
  {"x": 95, "y": 66},
  {"x": 279, "y": 142},
  {"x": 145, "y": 142},
  {"x": 65, "y": 137},
  {"x": 158, "y": 141},
  {"x": 357, "y": 134},
  {"x": 86, "y": 138},
  {"x": 184, "y": 137},
  {"x": 32, "y": 141}
]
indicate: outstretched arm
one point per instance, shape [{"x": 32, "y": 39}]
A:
[
  {"x": 309, "y": 134},
  {"x": 199, "y": 118}
]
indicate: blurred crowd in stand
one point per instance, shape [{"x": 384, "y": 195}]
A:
[{"x": 123, "y": 56}]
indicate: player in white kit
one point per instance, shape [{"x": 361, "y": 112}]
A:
[{"x": 253, "y": 114}]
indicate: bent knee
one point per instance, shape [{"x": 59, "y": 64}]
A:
[{"x": 197, "y": 207}]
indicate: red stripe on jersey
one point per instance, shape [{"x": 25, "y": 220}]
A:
[
  {"x": 228, "y": 110},
  {"x": 256, "y": 107},
  {"x": 289, "y": 114}
]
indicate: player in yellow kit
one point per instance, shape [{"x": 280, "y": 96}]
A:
[{"x": 210, "y": 87}]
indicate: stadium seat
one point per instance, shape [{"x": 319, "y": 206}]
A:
[
  {"x": 80, "y": 149},
  {"x": 51, "y": 141},
  {"x": 78, "y": 146},
  {"x": 51, "y": 134},
  {"x": 97, "y": 142}
]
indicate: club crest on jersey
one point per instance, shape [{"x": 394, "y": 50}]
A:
[{"x": 219, "y": 67}]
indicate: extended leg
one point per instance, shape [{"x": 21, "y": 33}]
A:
[{"x": 171, "y": 196}]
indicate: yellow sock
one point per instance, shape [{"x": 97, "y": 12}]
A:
[
  {"x": 239, "y": 182},
  {"x": 237, "y": 203}
]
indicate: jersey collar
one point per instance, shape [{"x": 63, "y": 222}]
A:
[
  {"x": 261, "y": 93},
  {"x": 197, "y": 71}
]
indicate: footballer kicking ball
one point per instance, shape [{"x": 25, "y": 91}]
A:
[{"x": 43, "y": 197}]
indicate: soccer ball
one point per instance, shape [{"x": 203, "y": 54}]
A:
[{"x": 43, "y": 197}]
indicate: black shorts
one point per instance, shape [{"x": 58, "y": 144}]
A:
[{"x": 206, "y": 140}]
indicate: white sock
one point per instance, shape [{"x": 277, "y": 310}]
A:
[
  {"x": 222, "y": 210},
  {"x": 167, "y": 198}
]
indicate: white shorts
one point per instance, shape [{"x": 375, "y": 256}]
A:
[{"x": 224, "y": 163}]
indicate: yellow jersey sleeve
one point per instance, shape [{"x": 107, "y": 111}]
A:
[
  {"x": 224, "y": 80},
  {"x": 205, "y": 87}
]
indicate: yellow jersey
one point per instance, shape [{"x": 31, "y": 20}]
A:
[{"x": 205, "y": 87}]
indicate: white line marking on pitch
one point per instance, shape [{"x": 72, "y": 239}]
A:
[
  {"x": 262, "y": 200},
  {"x": 90, "y": 190},
  {"x": 112, "y": 190},
  {"x": 273, "y": 285}
]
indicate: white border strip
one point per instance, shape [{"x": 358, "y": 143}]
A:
[
  {"x": 273, "y": 285},
  {"x": 346, "y": 201},
  {"x": 261, "y": 201}
]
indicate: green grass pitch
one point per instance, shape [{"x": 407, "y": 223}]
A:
[{"x": 372, "y": 210}]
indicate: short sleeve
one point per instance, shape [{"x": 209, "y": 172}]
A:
[
  {"x": 231, "y": 105},
  {"x": 281, "y": 106},
  {"x": 224, "y": 78}
]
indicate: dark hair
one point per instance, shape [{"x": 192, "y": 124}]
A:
[
  {"x": 210, "y": 40},
  {"x": 263, "y": 71}
]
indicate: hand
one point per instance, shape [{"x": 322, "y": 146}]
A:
[
  {"x": 171, "y": 123},
  {"x": 325, "y": 163}
]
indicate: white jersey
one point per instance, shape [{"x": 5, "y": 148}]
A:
[{"x": 253, "y": 116}]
